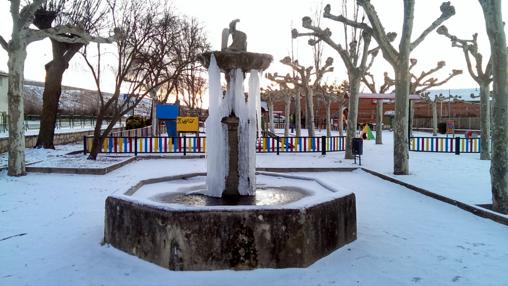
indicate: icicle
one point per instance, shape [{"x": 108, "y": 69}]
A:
[{"x": 216, "y": 147}]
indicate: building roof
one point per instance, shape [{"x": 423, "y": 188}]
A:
[{"x": 3, "y": 74}]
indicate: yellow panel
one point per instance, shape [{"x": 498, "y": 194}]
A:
[{"x": 187, "y": 124}]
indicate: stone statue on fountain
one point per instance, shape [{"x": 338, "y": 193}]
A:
[{"x": 239, "y": 43}]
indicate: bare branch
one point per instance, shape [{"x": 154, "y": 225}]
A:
[
  {"x": 378, "y": 32},
  {"x": 4, "y": 43},
  {"x": 447, "y": 10},
  {"x": 66, "y": 34}
]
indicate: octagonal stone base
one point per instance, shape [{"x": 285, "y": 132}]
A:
[{"x": 226, "y": 237}]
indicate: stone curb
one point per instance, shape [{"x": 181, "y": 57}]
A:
[
  {"x": 81, "y": 171},
  {"x": 467, "y": 207},
  {"x": 307, "y": 170}
]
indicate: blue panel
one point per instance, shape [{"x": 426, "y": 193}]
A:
[
  {"x": 167, "y": 111},
  {"x": 171, "y": 128}
]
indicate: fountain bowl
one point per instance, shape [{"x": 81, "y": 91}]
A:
[
  {"x": 230, "y": 60},
  {"x": 293, "y": 222}
]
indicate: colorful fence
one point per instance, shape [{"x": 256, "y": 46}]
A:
[
  {"x": 184, "y": 145},
  {"x": 300, "y": 144},
  {"x": 455, "y": 145}
]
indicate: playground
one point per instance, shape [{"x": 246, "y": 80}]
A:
[{"x": 394, "y": 223}]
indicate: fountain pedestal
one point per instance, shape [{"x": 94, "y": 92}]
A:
[{"x": 232, "y": 178}]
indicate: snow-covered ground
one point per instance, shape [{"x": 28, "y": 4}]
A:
[
  {"x": 403, "y": 237},
  {"x": 52, "y": 226}
]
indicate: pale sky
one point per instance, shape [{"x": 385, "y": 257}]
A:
[{"x": 268, "y": 24}]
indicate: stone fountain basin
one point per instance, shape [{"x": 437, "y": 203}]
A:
[{"x": 294, "y": 231}]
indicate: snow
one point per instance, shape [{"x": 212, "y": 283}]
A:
[
  {"x": 403, "y": 237},
  {"x": 52, "y": 225}
]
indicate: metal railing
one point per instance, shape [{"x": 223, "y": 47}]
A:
[
  {"x": 455, "y": 145},
  {"x": 196, "y": 144}
]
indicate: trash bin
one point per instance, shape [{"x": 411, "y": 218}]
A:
[
  {"x": 357, "y": 146},
  {"x": 441, "y": 127}
]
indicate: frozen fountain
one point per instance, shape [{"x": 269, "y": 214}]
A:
[{"x": 231, "y": 217}]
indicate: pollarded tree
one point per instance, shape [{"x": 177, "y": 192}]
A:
[
  {"x": 369, "y": 81},
  {"x": 22, "y": 35},
  {"x": 306, "y": 81},
  {"x": 399, "y": 60},
  {"x": 288, "y": 82},
  {"x": 271, "y": 95},
  {"x": 88, "y": 15},
  {"x": 355, "y": 57},
  {"x": 433, "y": 102},
  {"x": 330, "y": 94},
  {"x": 286, "y": 94},
  {"x": 425, "y": 81},
  {"x": 499, "y": 55},
  {"x": 482, "y": 76}
]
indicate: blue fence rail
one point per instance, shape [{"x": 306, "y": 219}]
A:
[
  {"x": 196, "y": 144},
  {"x": 455, "y": 145}
]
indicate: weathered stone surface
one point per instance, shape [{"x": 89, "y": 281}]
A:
[
  {"x": 210, "y": 239},
  {"x": 229, "y": 60}
]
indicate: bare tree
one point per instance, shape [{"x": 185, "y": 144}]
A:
[
  {"x": 424, "y": 81},
  {"x": 333, "y": 93},
  {"x": 482, "y": 76},
  {"x": 86, "y": 14},
  {"x": 287, "y": 82},
  {"x": 22, "y": 35},
  {"x": 193, "y": 85},
  {"x": 145, "y": 60},
  {"x": 306, "y": 81},
  {"x": 399, "y": 60},
  {"x": 355, "y": 58},
  {"x": 433, "y": 102},
  {"x": 499, "y": 52},
  {"x": 369, "y": 81}
]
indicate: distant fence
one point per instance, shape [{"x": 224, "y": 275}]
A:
[
  {"x": 455, "y": 145},
  {"x": 139, "y": 132},
  {"x": 184, "y": 145}
]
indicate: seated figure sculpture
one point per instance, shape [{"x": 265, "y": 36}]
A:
[{"x": 239, "y": 43}]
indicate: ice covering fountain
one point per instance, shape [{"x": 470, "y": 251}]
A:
[{"x": 231, "y": 217}]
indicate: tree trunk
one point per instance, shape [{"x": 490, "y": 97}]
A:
[
  {"x": 411, "y": 117},
  {"x": 309, "y": 96},
  {"x": 270, "y": 116},
  {"x": 400, "y": 134},
  {"x": 341, "y": 116},
  {"x": 16, "y": 63},
  {"x": 484, "y": 122},
  {"x": 155, "y": 124},
  {"x": 434, "y": 117},
  {"x": 97, "y": 139},
  {"x": 352, "y": 118},
  {"x": 62, "y": 54},
  {"x": 50, "y": 100},
  {"x": 287, "y": 115},
  {"x": 379, "y": 121},
  {"x": 328, "y": 119},
  {"x": 499, "y": 163},
  {"x": 402, "y": 82},
  {"x": 298, "y": 111}
]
